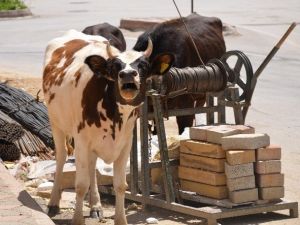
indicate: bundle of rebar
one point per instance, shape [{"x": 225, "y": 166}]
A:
[
  {"x": 27, "y": 111},
  {"x": 29, "y": 144}
]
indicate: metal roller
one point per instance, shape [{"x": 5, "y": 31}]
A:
[{"x": 210, "y": 78}]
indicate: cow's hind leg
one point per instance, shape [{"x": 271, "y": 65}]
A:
[
  {"x": 82, "y": 182},
  {"x": 60, "y": 153},
  {"x": 94, "y": 200}
]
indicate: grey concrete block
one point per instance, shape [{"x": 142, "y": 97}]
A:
[
  {"x": 241, "y": 183},
  {"x": 242, "y": 170},
  {"x": 241, "y": 196}
]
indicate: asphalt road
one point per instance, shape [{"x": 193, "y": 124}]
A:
[{"x": 276, "y": 106}]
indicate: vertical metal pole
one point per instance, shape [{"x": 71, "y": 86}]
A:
[
  {"x": 161, "y": 134},
  {"x": 192, "y": 6},
  {"x": 237, "y": 108},
  {"x": 134, "y": 164},
  {"x": 222, "y": 109},
  {"x": 210, "y": 118},
  {"x": 144, "y": 151}
]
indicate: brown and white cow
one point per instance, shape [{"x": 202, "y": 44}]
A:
[{"x": 92, "y": 92}]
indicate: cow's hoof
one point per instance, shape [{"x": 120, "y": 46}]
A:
[
  {"x": 53, "y": 210},
  {"x": 96, "y": 214}
]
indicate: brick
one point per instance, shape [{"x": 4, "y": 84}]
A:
[
  {"x": 243, "y": 129},
  {"x": 271, "y": 166},
  {"x": 271, "y": 152},
  {"x": 199, "y": 133},
  {"x": 201, "y": 176},
  {"x": 240, "y": 157},
  {"x": 202, "y": 148},
  {"x": 241, "y": 183},
  {"x": 217, "y": 192},
  {"x": 271, "y": 193},
  {"x": 241, "y": 196},
  {"x": 245, "y": 141},
  {"x": 242, "y": 170},
  {"x": 270, "y": 180},
  {"x": 215, "y": 134},
  {"x": 200, "y": 162}
]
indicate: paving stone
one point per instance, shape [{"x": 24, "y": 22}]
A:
[
  {"x": 237, "y": 157},
  {"x": 241, "y": 196},
  {"x": 270, "y": 180},
  {"x": 201, "y": 176},
  {"x": 245, "y": 141},
  {"x": 242, "y": 170},
  {"x": 270, "y": 152},
  {"x": 241, "y": 183},
  {"x": 270, "y": 193},
  {"x": 202, "y": 148},
  {"x": 201, "y": 162},
  {"x": 217, "y": 192},
  {"x": 271, "y": 166},
  {"x": 215, "y": 134},
  {"x": 199, "y": 133}
]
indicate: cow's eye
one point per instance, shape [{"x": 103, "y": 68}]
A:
[
  {"x": 143, "y": 68},
  {"x": 115, "y": 66}
]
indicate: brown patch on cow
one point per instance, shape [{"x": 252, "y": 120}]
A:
[
  {"x": 51, "y": 97},
  {"x": 105, "y": 130},
  {"x": 77, "y": 76},
  {"x": 54, "y": 75},
  {"x": 98, "y": 89},
  {"x": 80, "y": 126},
  {"x": 104, "y": 137}
]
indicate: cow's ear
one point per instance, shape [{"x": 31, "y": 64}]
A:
[
  {"x": 97, "y": 64},
  {"x": 162, "y": 63}
]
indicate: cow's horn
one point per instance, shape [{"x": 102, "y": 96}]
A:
[
  {"x": 149, "y": 49},
  {"x": 108, "y": 49}
]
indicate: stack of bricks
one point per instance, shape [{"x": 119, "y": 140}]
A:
[
  {"x": 269, "y": 179},
  {"x": 230, "y": 161}
]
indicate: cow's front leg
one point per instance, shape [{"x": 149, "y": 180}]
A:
[
  {"x": 82, "y": 182},
  {"x": 120, "y": 185},
  {"x": 94, "y": 197}
]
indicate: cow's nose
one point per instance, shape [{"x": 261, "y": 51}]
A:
[{"x": 128, "y": 73}]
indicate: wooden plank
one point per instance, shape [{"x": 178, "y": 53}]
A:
[
  {"x": 200, "y": 162},
  {"x": 216, "y": 192},
  {"x": 201, "y": 176},
  {"x": 202, "y": 148}
]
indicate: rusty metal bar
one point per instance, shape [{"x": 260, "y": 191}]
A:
[
  {"x": 161, "y": 134},
  {"x": 134, "y": 164},
  {"x": 145, "y": 171}
]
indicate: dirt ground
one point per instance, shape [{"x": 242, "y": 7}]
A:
[{"x": 135, "y": 213}]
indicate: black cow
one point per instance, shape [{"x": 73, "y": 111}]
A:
[
  {"x": 110, "y": 32},
  {"x": 171, "y": 36}
]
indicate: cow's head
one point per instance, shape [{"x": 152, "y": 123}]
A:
[{"x": 130, "y": 70}]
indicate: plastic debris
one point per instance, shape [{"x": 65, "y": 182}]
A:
[{"x": 152, "y": 220}]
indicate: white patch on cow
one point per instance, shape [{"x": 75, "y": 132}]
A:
[
  {"x": 62, "y": 62},
  {"x": 130, "y": 56}
]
